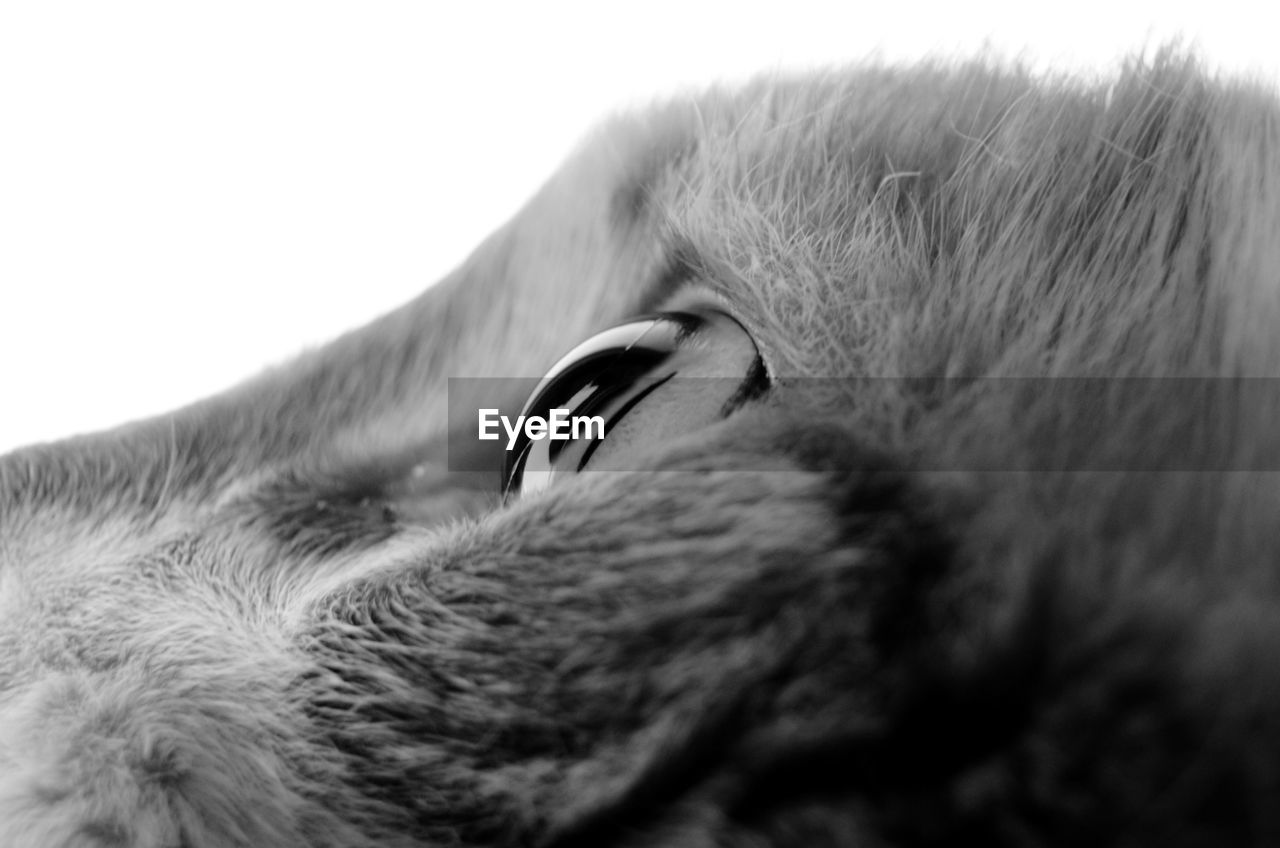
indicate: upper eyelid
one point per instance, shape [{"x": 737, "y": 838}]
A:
[
  {"x": 696, "y": 296},
  {"x": 701, "y": 296}
]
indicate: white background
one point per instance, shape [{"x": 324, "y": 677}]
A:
[{"x": 190, "y": 191}]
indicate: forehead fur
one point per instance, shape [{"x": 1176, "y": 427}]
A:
[{"x": 983, "y": 222}]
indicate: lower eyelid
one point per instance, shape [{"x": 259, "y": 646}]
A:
[{"x": 754, "y": 385}]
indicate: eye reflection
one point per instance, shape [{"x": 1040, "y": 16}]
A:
[{"x": 624, "y": 378}]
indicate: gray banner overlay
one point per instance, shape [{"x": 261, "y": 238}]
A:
[{"x": 988, "y": 424}]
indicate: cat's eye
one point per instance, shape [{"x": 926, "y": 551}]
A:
[{"x": 649, "y": 379}]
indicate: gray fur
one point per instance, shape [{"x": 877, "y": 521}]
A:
[{"x": 876, "y": 612}]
